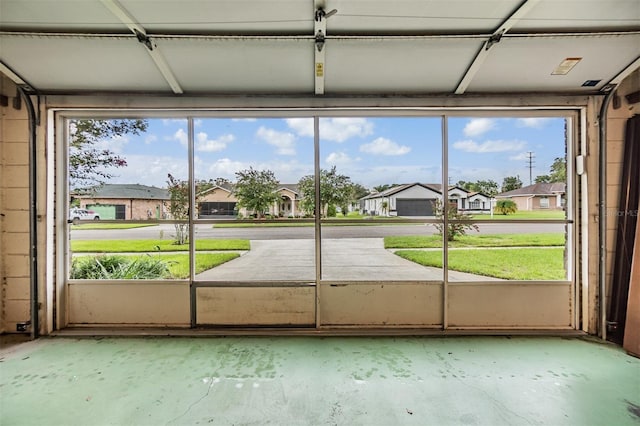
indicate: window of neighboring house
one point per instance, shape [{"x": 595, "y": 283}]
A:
[
  {"x": 475, "y": 205},
  {"x": 544, "y": 202}
]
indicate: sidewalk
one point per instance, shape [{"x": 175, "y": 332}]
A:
[{"x": 346, "y": 259}]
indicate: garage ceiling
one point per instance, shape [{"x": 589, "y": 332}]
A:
[{"x": 321, "y": 47}]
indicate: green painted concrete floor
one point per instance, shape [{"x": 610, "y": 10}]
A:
[{"x": 318, "y": 381}]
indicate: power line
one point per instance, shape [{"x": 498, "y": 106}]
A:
[{"x": 530, "y": 165}]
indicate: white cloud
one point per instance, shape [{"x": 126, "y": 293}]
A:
[
  {"x": 150, "y": 139},
  {"x": 181, "y": 136},
  {"x": 520, "y": 157},
  {"x": 372, "y": 176},
  {"x": 302, "y": 126},
  {"x": 338, "y": 158},
  {"x": 337, "y": 129},
  {"x": 384, "y": 146},
  {"x": 115, "y": 143},
  {"x": 285, "y": 171},
  {"x": 534, "y": 122},
  {"x": 150, "y": 170},
  {"x": 285, "y": 142},
  {"x": 203, "y": 143},
  {"x": 478, "y": 126},
  {"x": 225, "y": 167},
  {"x": 457, "y": 173},
  {"x": 489, "y": 146}
]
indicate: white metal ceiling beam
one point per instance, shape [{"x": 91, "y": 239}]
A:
[
  {"x": 482, "y": 55},
  {"x": 320, "y": 32},
  {"x": 152, "y": 48},
  {"x": 625, "y": 72},
  {"x": 12, "y": 75}
]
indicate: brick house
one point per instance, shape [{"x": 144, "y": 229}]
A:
[{"x": 126, "y": 201}]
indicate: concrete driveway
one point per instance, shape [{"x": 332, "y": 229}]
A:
[{"x": 345, "y": 259}]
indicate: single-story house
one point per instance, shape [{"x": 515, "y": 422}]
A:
[
  {"x": 539, "y": 196},
  {"x": 220, "y": 200},
  {"x": 289, "y": 203},
  {"x": 418, "y": 199},
  {"x": 126, "y": 201}
]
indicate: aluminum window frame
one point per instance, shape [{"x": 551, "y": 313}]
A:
[{"x": 574, "y": 116}]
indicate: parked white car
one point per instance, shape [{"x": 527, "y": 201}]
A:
[{"x": 83, "y": 214}]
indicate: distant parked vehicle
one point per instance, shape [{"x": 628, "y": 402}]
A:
[{"x": 82, "y": 214}]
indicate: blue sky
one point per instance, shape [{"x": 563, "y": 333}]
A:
[{"x": 371, "y": 150}]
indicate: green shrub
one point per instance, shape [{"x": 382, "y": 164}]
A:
[
  {"x": 506, "y": 207},
  {"x": 459, "y": 223},
  {"x": 109, "y": 267},
  {"x": 331, "y": 210}
]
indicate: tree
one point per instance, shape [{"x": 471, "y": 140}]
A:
[
  {"x": 354, "y": 192},
  {"x": 334, "y": 191},
  {"x": 256, "y": 190},
  {"x": 179, "y": 207},
  {"x": 458, "y": 222},
  {"x": 203, "y": 185},
  {"x": 557, "y": 172},
  {"x": 488, "y": 187},
  {"x": 89, "y": 163},
  {"x": 382, "y": 188},
  {"x": 510, "y": 183},
  {"x": 384, "y": 205},
  {"x": 506, "y": 207}
]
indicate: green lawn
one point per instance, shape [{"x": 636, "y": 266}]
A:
[
  {"x": 509, "y": 264},
  {"x": 488, "y": 240},
  {"x": 178, "y": 264},
  {"x": 86, "y": 226},
  {"x": 537, "y": 214},
  {"x": 147, "y": 246}
]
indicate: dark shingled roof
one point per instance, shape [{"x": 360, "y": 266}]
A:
[
  {"x": 436, "y": 187},
  {"x": 536, "y": 189},
  {"x": 293, "y": 187},
  {"x": 131, "y": 191}
]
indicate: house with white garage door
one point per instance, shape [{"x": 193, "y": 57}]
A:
[
  {"x": 125, "y": 201},
  {"x": 419, "y": 199}
]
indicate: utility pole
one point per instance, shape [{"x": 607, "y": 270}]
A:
[{"x": 530, "y": 165}]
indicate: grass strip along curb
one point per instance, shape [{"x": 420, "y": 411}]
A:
[
  {"x": 515, "y": 264},
  {"x": 172, "y": 266},
  {"x": 488, "y": 240},
  {"x": 150, "y": 246}
]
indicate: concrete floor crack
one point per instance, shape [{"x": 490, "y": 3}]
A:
[{"x": 193, "y": 404}]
